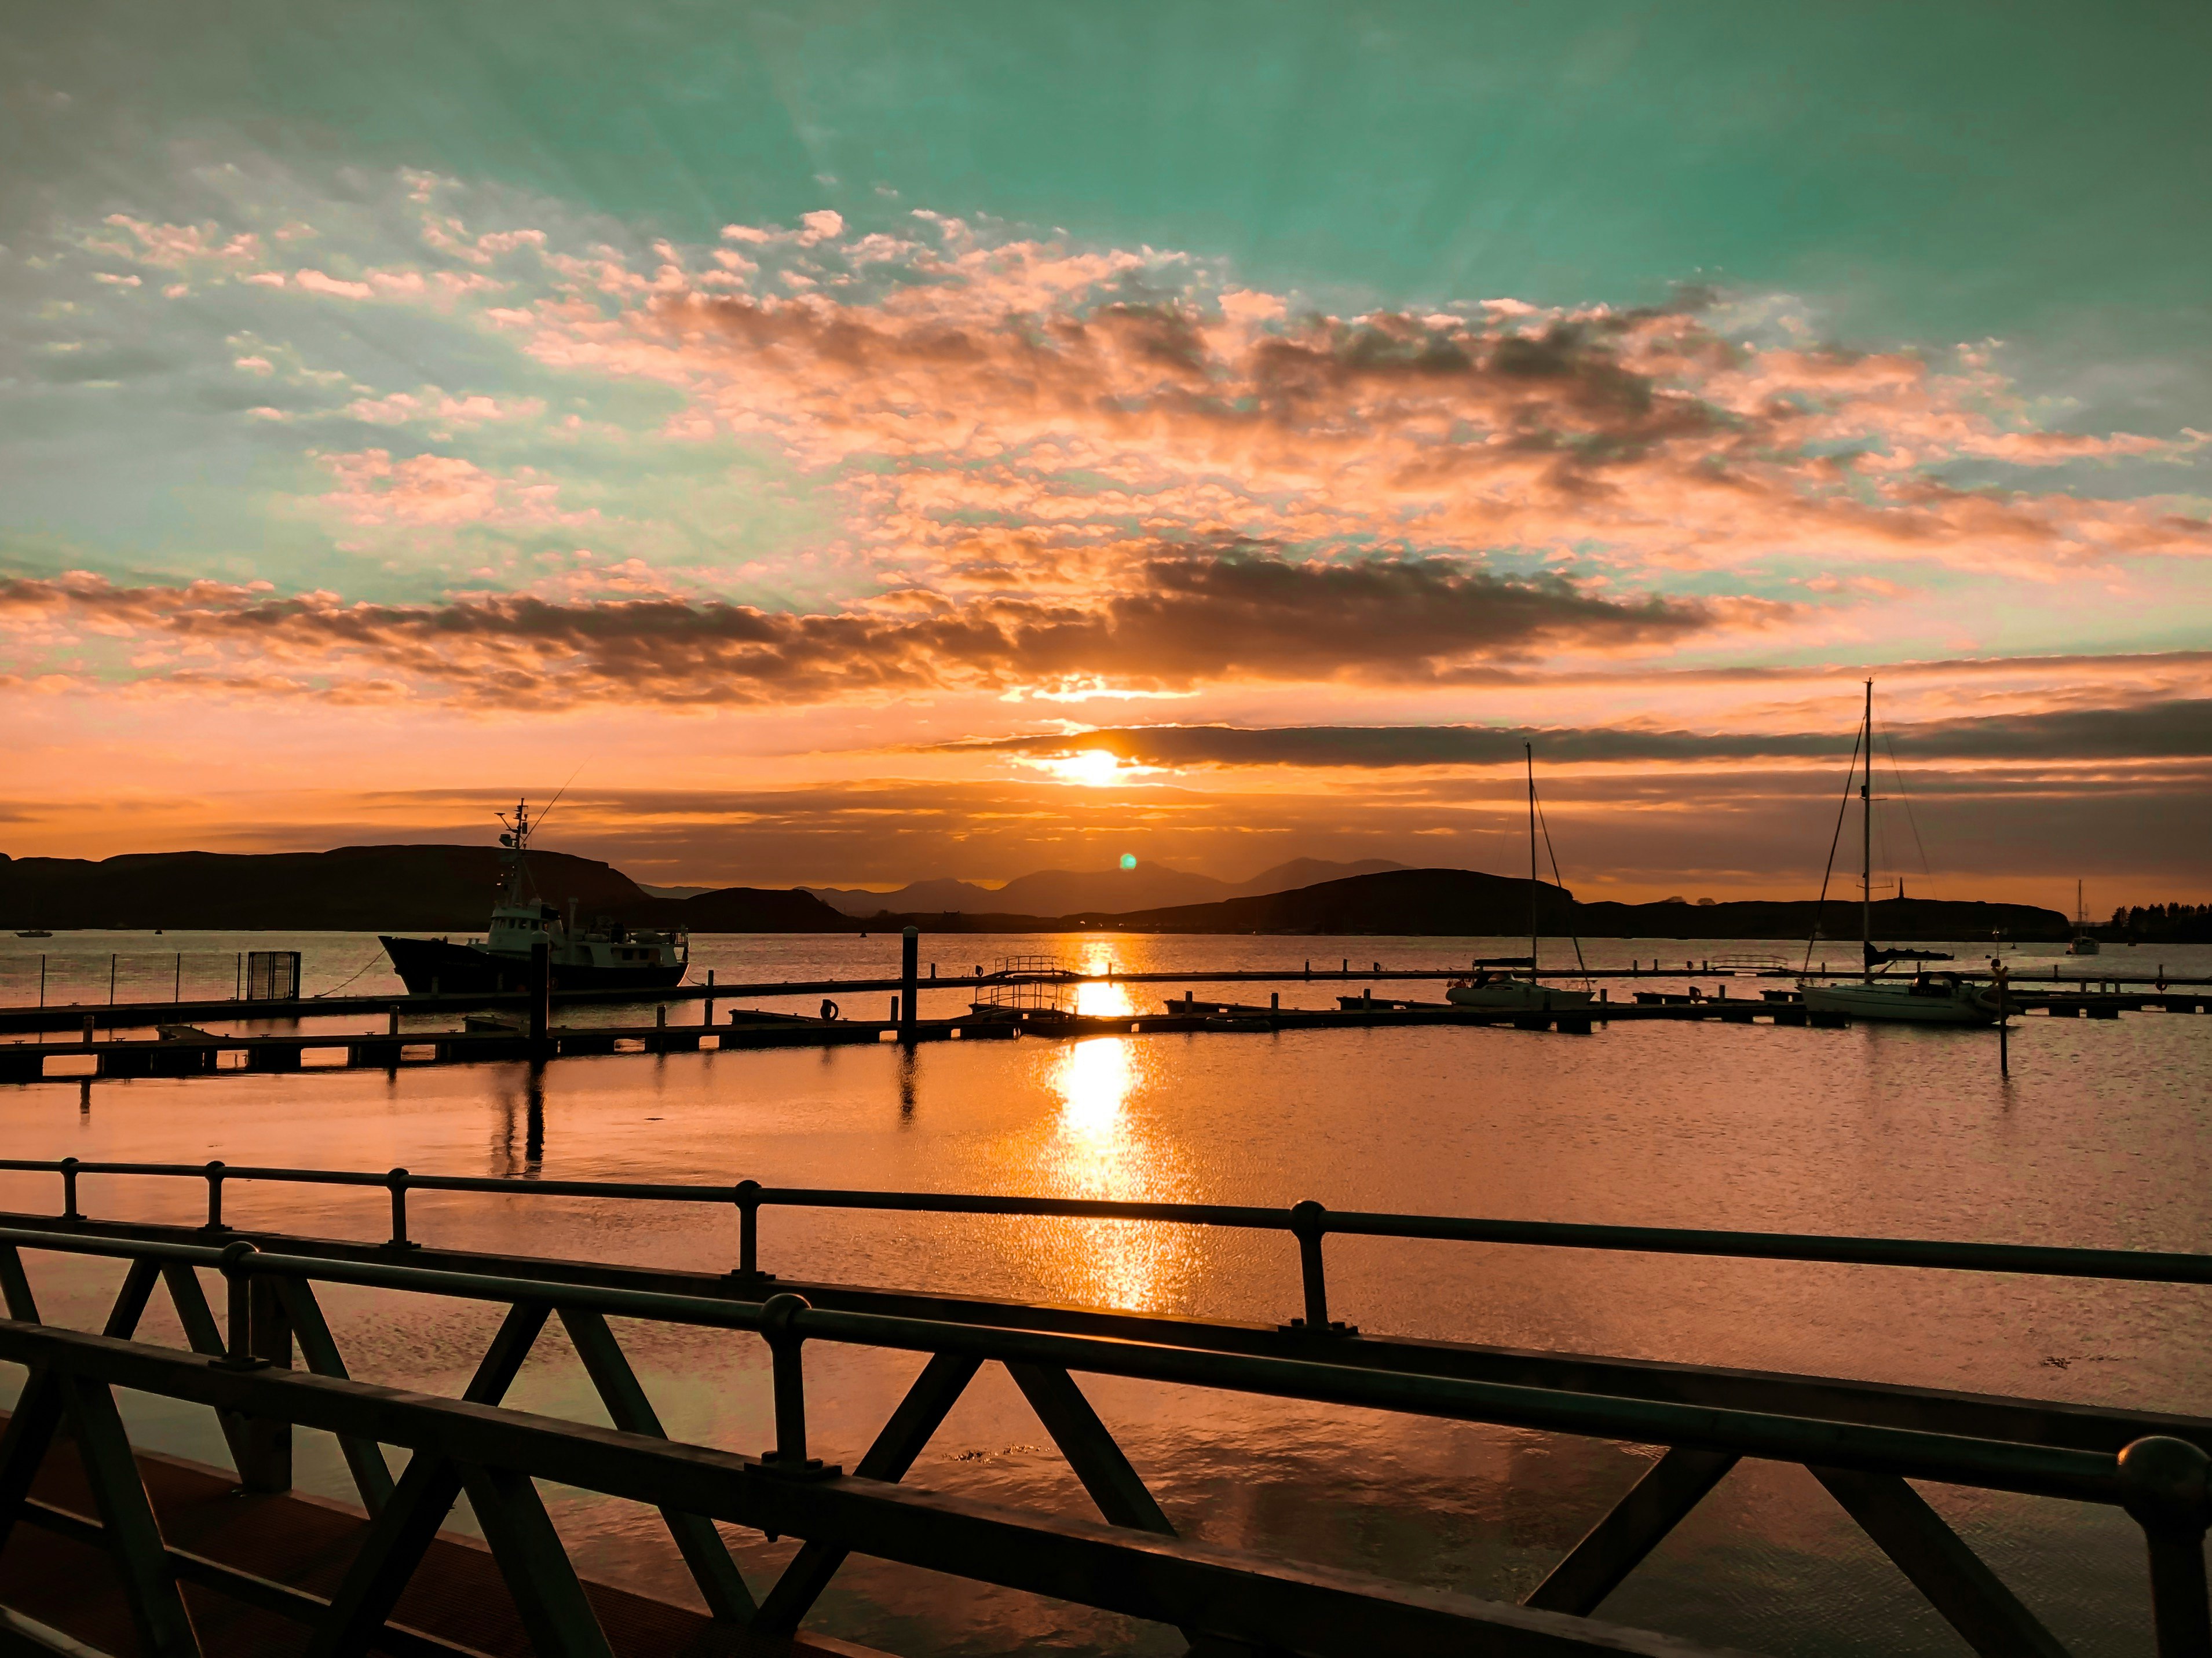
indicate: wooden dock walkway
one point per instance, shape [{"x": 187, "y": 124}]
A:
[
  {"x": 256, "y": 1566},
  {"x": 21, "y": 1020},
  {"x": 185, "y": 1053}
]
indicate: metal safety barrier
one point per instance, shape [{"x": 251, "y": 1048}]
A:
[{"x": 1863, "y": 1442}]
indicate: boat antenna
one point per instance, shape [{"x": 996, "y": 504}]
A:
[
  {"x": 1580, "y": 966},
  {"x": 557, "y": 793},
  {"x": 1834, "y": 841}
]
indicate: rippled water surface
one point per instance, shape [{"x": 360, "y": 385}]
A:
[{"x": 2098, "y": 1137}]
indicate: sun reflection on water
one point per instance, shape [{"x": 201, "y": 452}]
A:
[{"x": 1100, "y": 1144}]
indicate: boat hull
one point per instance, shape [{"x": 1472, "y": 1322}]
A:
[
  {"x": 1516, "y": 995},
  {"x": 1899, "y": 1005},
  {"x": 469, "y": 970}
]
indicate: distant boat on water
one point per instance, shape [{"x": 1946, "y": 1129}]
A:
[
  {"x": 2083, "y": 944},
  {"x": 34, "y": 932},
  {"x": 604, "y": 955},
  {"x": 1482, "y": 989},
  {"x": 1926, "y": 998}
]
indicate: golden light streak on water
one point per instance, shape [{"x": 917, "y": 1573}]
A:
[{"x": 1100, "y": 1143}]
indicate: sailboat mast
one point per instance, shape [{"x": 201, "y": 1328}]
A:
[
  {"x": 1528, "y": 752},
  {"x": 1866, "y": 848}
]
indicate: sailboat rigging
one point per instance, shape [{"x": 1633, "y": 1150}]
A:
[
  {"x": 1926, "y": 998},
  {"x": 2085, "y": 942},
  {"x": 1480, "y": 989}
]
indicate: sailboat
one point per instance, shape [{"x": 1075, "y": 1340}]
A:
[
  {"x": 1926, "y": 998},
  {"x": 2083, "y": 944},
  {"x": 1529, "y": 994}
]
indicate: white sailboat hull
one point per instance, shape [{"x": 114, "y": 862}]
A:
[
  {"x": 1900, "y": 1002},
  {"x": 1516, "y": 995}
]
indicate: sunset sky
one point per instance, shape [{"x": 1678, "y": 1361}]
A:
[{"x": 860, "y": 443}]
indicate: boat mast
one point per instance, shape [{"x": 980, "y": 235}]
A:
[
  {"x": 1528, "y": 752},
  {"x": 1866, "y": 849}
]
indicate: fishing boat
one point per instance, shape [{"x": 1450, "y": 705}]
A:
[
  {"x": 1925, "y": 998},
  {"x": 36, "y": 932},
  {"x": 604, "y": 955},
  {"x": 1482, "y": 988},
  {"x": 2083, "y": 944}
]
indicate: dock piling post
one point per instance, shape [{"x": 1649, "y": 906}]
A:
[
  {"x": 541, "y": 996},
  {"x": 87, "y": 1030},
  {"x": 391, "y": 1022},
  {"x": 2004, "y": 1031},
  {"x": 1274, "y": 1001},
  {"x": 909, "y": 956}
]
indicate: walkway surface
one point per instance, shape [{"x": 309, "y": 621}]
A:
[{"x": 306, "y": 1543}]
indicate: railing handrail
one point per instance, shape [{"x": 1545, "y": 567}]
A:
[
  {"x": 2046, "y": 1471},
  {"x": 1304, "y": 1220}
]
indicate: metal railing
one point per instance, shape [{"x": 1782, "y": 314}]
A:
[
  {"x": 1308, "y": 1222},
  {"x": 1863, "y": 1441}
]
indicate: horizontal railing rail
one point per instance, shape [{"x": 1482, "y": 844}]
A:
[
  {"x": 1307, "y": 1222},
  {"x": 2079, "y": 1476}
]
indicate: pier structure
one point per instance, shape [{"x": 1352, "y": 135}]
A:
[
  {"x": 914, "y": 977},
  {"x": 99, "y": 1537},
  {"x": 186, "y": 1051}
]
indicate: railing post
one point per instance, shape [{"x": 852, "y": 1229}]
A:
[
  {"x": 1309, "y": 1222},
  {"x": 2164, "y": 1488},
  {"x": 747, "y": 1197},
  {"x": 398, "y": 1181},
  {"x": 70, "y": 1211},
  {"x": 215, "y": 1197},
  {"x": 238, "y": 1277},
  {"x": 780, "y": 1327}
]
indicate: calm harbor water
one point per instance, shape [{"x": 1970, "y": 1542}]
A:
[{"x": 2100, "y": 1137}]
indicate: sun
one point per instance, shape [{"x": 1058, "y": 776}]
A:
[{"x": 1093, "y": 767}]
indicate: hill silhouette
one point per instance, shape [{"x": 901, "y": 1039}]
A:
[
  {"x": 364, "y": 888},
  {"x": 429, "y": 888}
]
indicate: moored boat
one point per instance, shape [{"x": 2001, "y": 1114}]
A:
[
  {"x": 1926, "y": 998},
  {"x": 2085, "y": 942},
  {"x": 603, "y": 956},
  {"x": 1483, "y": 989}
]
